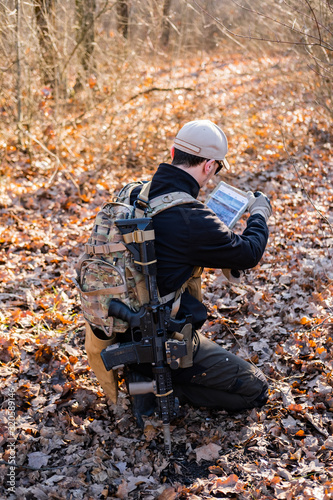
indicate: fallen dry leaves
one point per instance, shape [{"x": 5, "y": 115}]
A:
[{"x": 280, "y": 317}]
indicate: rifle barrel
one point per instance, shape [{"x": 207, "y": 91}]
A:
[{"x": 167, "y": 438}]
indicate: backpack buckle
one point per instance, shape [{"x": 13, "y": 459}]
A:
[
  {"x": 140, "y": 201},
  {"x": 138, "y": 236},
  {"x": 141, "y": 205}
]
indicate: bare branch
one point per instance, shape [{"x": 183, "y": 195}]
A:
[
  {"x": 319, "y": 63},
  {"x": 10, "y": 66},
  {"x": 330, "y": 7},
  {"x": 304, "y": 14},
  {"x": 56, "y": 157},
  {"x": 156, "y": 89},
  {"x": 304, "y": 190},
  {"x": 276, "y": 21},
  {"x": 264, "y": 39},
  {"x": 103, "y": 9}
]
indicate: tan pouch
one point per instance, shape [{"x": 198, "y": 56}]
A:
[
  {"x": 194, "y": 287},
  {"x": 194, "y": 283},
  {"x": 107, "y": 379},
  {"x": 186, "y": 334}
]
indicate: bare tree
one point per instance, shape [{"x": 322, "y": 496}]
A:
[
  {"x": 305, "y": 25},
  {"x": 85, "y": 34},
  {"x": 122, "y": 17},
  {"x": 18, "y": 62},
  {"x": 166, "y": 23},
  {"x": 45, "y": 19}
]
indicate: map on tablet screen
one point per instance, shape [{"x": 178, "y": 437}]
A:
[{"x": 228, "y": 203}]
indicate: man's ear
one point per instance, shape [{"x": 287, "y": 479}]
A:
[
  {"x": 208, "y": 166},
  {"x": 172, "y": 151}
]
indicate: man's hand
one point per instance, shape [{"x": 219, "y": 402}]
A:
[{"x": 259, "y": 204}]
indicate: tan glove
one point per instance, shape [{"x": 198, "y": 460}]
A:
[{"x": 108, "y": 380}]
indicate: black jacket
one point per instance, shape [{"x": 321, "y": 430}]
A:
[{"x": 191, "y": 235}]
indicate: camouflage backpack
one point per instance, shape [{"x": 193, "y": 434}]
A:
[{"x": 106, "y": 269}]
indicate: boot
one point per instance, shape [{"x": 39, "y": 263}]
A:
[{"x": 107, "y": 379}]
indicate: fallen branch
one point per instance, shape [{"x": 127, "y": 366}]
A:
[
  {"x": 157, "y": 89},
  {"x": 59, "y": 164}
]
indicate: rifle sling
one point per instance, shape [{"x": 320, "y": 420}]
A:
[
  {"x": 145, "y": 263},
  {"x": 163, "y": 395}
]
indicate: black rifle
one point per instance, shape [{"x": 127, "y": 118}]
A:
[{"x": 150, "y": 328}]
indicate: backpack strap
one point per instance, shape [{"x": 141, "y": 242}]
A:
[
  {"x": 144, "y": 192},
  {"x": 144, "y": 207},
  {"x": 193, "y": 283},
  {"x": 124, "y": 194},
  {"x": 169, "y": 200},
  {"x": 142, "y": 201},
  {"x": 104, "y": 249},
  {"x": 139, "y": 236},
  {"x": 160, "y": 203}
]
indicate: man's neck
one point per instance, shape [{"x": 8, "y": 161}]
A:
[{"x": 195, "y": 172}]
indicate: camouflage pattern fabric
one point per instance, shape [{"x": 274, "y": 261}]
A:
[
  {"x": 106, "y": 269},
  {"x": 104, "y": 273}
]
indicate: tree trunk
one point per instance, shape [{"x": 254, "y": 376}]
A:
[
  {"x": 18, "y": 57},
  {"x": 45, "y": 17},
  {"x": 122, "y": 17},
  {"x": 85, "y": 37},
  {"x": 165, "y": 23}
]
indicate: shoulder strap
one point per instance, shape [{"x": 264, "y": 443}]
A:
[
  {"x": 162, "y": 202},
  {"x": 142, "y": 201},
  {"x": 144, "y": 192},
  {"x": 124, "y": 194},
  {"x": 154, "y": 207},
  {"x": 169, "y": 200}
]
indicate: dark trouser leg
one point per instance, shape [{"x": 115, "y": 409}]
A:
[{"x": 219, "y": 379}]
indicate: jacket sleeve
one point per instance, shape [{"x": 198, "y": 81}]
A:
[{"x": 214, "y": 245}]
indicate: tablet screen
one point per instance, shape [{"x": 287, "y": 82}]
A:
[{"x": 228, "y": 203}]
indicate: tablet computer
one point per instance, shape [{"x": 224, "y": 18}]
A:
[{"x": 228, "y": 203}]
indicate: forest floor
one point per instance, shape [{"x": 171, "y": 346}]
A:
[{"x": 60, "y": 437}]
